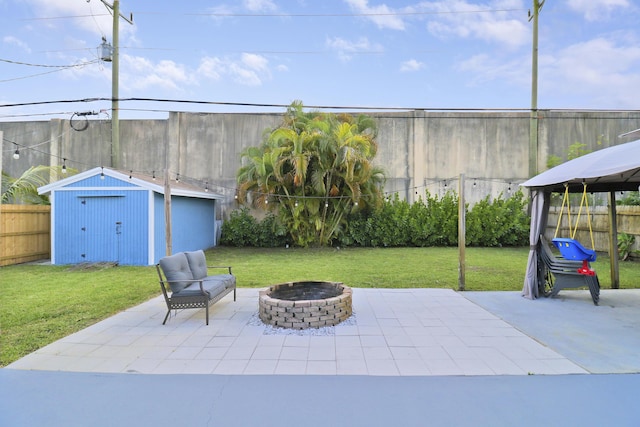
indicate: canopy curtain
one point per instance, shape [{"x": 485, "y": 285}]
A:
[{"x": 539, "y": 214}]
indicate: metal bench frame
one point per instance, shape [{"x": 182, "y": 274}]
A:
[{"x": 178, "y": 302}]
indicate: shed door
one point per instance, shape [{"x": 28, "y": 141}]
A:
[{"x": 100, "y": 228}]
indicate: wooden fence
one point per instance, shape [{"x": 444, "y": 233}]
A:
[
  {"x": 25, "y": 230},
  {"x": 628, "y": 223},
  {"x": 25, "y": 233}
]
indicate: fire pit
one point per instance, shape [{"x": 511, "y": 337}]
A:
[{"x": 302, "y": 305}]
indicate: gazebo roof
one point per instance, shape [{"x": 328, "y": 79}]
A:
[{"x": 615, "y": 168}]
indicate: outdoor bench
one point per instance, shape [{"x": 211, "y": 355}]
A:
[{"x": 189, "y": 282}]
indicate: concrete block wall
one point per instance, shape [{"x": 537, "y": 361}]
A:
[{"x": 419, "y": 150}]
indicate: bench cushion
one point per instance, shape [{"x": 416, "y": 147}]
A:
[
  {"x": 212, "y": 287},
  {"x": 176, "y": 270},
  {"x": 197, "y": 264},
  {"x": 228, "y": 280}
]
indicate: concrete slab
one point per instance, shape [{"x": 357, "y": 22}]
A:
[
  {"x": 34, "y": 398},
  {"x": 600, "y": 339}
]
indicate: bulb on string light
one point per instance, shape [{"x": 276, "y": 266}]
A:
[
  {"x": 153, "y": 175},
  {"x": 102, "y": 173},
  {"x": 16, "y": 154},
  {"x": 177, "y": 177},
  {"x": 64, "y": 166},
  {"x": 130, "y": 174},
  {"x": 206, "y": 187}
]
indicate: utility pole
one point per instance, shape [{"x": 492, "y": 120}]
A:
[
  {"x": 533, "y": 121},
  {"x": 115, "y": 78}
]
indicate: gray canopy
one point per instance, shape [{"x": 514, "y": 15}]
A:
[
  {"x": 611, "y": 169},
  {"x": 615, "y": 168}
]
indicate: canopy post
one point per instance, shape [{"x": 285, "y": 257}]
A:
[
  {"x": 461, "y": 235},
  {"x": 613, "y": 241}
]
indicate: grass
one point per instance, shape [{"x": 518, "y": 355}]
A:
[{"x": 43, "y": 303}]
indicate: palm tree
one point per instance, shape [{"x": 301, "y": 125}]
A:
[
  {"x": 317, "y": 168},
  {"x": 24, "y": 189}
]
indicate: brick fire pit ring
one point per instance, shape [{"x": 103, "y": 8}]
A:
[{"x": 303, "y": 305}]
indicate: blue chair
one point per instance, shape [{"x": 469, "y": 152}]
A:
[
  {"x": 572, "y": 249},
  {"x": 557, "y": 273}
]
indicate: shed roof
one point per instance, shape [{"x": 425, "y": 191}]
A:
[{"x": 144, "y": 181}]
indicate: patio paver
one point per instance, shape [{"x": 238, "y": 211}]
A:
[{"x": 393, "y": 332}]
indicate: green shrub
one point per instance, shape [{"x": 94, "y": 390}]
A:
[
  {"x": 498, "y": 223},
  {"x": 242, "y": 229},
  {"x": 397, "y": 223},
  {"x": 429, "y": 222},
  {"x": 632, "y": 199}
]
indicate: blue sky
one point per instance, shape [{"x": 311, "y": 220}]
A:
[{"x": 356, "y": 53}]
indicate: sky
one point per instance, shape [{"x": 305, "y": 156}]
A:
[{"x": 260, "y": 55}]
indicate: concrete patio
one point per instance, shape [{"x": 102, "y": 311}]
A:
[{"x": 433, "y": 352}]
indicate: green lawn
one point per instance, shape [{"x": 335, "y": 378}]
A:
[{"x": 43, "y": 303}]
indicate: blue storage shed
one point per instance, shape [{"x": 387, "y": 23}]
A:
[{"x": 103, "y": 215}]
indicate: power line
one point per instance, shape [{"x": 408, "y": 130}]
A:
[
  {"x": 57, "y": 68},
  {"x": 81, "y": 64},
  {"x": 291, "y": 15},
  {"x": 340, "y": 15},
  {"x": 250, "y": 104}
]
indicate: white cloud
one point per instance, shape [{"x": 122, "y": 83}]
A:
[
  {"x": 259, "y": 5},
  {"x": 462, "y": 19},
  {"x": 595, "y": 10},
  {"x": 599, "y": 68},
  {"x": 483, "y": 68},
  {"x": 255, "y": 62},
  {"x": 211, "y": 68},
  {"x": 601, "y": 72},
  {"x": 411, "y": 65},
  {"x": 16, "y": 42},
  {"x": 249, "y": 70},
  {"x": 380, "y": 15},
  {"x": 346, "y": 48},
  {"x": 141, "y": 73},
  {"x": 100, "y": 24}
]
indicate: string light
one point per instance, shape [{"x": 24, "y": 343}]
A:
[{"x": 428, "y": 182}]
